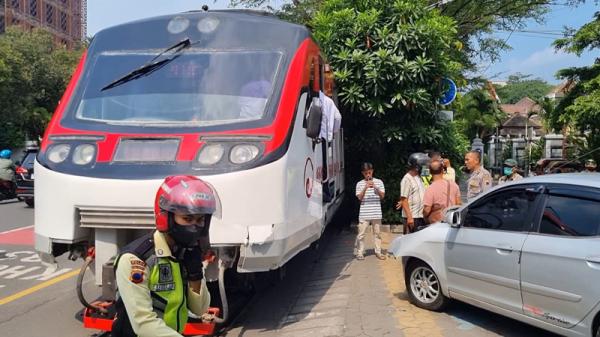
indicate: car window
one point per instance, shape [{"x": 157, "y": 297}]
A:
[
  {"x": 28, "y": 160},
  {"x": 570, "y": 216},
  {"x": 508, "y": 211}
]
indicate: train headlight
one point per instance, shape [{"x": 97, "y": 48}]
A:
[
  {"x": 84, "y": 154},
  {"x": 211, "y": 154},
  {"x": 243, "y": 153},
  {"x": 58, "y": 153}
]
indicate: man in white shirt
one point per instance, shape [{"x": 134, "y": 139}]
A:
[
  {"x": 412, "y": 191},
  {"x": 370, "y": 191}
]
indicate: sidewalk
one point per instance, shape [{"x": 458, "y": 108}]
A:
[
  {"x": 337, "y": 295},
  {"x": 340, "y": 296},
  {"x": 343, "y": 297}
]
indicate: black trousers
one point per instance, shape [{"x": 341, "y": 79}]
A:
[
  {"x": 121, "y": 326},
  {"x": 418, "y": 225}
]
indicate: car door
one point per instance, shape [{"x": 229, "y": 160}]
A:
[
  {"x": 482, "y": 255},
  {"x": 560, "y": 265}
]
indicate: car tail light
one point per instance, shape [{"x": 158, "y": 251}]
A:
[{"x": 21, "y": 170}]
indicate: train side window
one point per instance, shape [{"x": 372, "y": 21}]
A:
[
  {"x": 321, "y": 74},
  {"x": 313, "y": 88},
  {"x": 315, "y": 80}
]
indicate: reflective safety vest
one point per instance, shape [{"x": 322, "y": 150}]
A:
[
  {"x": 426, "y": 180},
  {"x": 167, "y": 288}
]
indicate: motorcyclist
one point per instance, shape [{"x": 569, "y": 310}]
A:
[
  {"x": 162, "y": 273},
  {"x": 7, "y": 170},
  {"x": 423, "y": 160}
]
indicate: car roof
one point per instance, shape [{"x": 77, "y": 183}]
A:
[{"x": 580, "y": 179}]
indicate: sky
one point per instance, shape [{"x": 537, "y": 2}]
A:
[
  {"x": 531, "y": 54},
  {"x": 534, "y": 54}
]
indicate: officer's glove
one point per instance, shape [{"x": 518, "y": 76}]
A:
[{"x": 192, "y": 261}]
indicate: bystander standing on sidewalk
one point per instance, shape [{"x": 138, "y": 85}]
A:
[
  {"x": 440, "y": 195},
  {"x": 370, "y": 191},
  {"x": 480, "y": 180},
  {"x": 412, "y": 191},
  {"x": 450, "y": 173}
]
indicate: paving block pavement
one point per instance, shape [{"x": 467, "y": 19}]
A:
[{"x": 337, "y": 295}]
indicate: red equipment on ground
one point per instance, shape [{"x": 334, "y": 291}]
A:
[{"x": 93, "y": 319}]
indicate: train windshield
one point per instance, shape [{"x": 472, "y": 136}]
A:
[{"x": 196, "y": 88}]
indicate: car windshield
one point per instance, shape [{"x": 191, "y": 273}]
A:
[
  {"x": 198, "y": 88},
  {"x": 28, "y": 160}
]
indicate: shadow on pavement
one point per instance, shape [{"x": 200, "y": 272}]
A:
[
  {"x": 313, "y": 294},
  {"x": 467, "y": 314}
]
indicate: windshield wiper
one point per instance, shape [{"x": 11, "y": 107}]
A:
[{"x": 151, "y": 66}]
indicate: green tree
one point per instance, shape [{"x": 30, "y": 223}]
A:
[
  {"x": 34, "y": 72},
  {"x": 579, "y": 110},
  {"x": 478, "y": 115},
  {"x": 476, "y": 21},
  {"x": 388, "y": 58},
  {"x": 548, "y": 106},
  {"x": 520, "y": 85}
]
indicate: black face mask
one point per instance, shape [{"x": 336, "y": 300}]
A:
[{"x": 187, "y": 236}]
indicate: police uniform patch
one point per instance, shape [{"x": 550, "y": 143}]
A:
[
  {"x": 137, "y": 263},
  {"x": 165, "y": 274},
  {"x": 165, "y": 278},
  {"x": 136, "y": 276}
]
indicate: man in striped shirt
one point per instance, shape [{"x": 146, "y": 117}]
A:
[{"x": 370, "y": 191}]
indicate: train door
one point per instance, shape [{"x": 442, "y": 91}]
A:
[{"x": 315, "y": 169}]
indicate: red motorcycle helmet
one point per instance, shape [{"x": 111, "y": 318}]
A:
[{"x": 183, "y": 195}]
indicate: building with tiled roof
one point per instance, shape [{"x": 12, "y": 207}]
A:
[
  {"x": 524, "y": 106},
  {"x": 515, "y": 126}
]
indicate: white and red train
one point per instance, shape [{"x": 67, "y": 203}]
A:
[{"x": 222, "y": 95}]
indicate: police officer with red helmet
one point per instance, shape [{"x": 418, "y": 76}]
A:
[{"x": 159, "y": 276}]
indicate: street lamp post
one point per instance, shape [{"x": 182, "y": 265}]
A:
[{"x": 527, "y": 143}]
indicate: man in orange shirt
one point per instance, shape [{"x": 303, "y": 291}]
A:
[{"x": 440, "y": 195}]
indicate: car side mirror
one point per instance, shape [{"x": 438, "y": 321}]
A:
[
  {"x": 453, "y": 216},
  {"x": 313, "y": 119}
]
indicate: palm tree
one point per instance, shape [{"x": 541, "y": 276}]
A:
[{"x": 480, "y": 114}]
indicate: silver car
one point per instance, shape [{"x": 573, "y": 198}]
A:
[{"x": 528, "y": 250}]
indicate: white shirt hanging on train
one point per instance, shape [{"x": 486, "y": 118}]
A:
[{"x": 332, "y": 119}]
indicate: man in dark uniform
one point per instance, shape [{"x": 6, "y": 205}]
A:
[{"x": 160, "y": 275}]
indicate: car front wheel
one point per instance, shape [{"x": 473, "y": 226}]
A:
[{"x": 423, "y": 287}]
